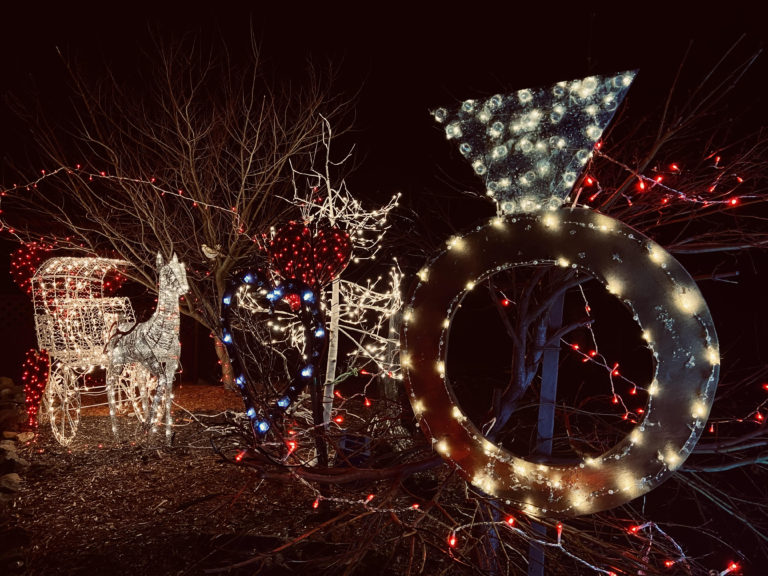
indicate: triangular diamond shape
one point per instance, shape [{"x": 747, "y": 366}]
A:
[{"x": 530, "y": 147}]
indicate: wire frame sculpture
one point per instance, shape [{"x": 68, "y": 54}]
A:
[
  {"x": 73, "y": 317},
  {"x": 152, "y": 348},
  {"x": 74, "y": 320}
]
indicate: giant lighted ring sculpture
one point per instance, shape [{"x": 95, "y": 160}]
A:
[{"x": 532, "y": 230}]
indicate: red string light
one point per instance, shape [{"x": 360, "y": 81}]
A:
[
  {"x": 25, "y": 261},
  {"x": 34, "y": 377},
  {"x": 312, "y": 258}
]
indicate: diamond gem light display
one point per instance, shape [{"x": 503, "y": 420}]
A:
[{"x": 530, "y": 147}]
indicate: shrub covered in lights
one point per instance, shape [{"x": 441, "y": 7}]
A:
[{"x": 255, "y": 290}]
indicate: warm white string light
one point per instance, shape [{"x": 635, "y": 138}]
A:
[{"x": 680, "y": 334}]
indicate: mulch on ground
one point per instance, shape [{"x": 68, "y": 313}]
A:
[{"x": 102, "y": 506}]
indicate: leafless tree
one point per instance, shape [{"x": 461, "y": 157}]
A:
[{"x": 190, "y": 159}]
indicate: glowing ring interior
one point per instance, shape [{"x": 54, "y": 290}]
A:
[{"x": 665, "y": 302}]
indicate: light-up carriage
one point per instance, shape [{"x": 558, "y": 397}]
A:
[{"x": 74, "y": 321}]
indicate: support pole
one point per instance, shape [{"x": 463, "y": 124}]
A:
[{"x": 546, "y": 425}]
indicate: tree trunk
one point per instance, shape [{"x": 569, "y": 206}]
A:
[
  {"x": 389, "y": 387},
  {"x": 227, "y": 374},
  {"x": 333, "y": 352}
]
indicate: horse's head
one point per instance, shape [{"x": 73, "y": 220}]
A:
[{"x": 173, "y": 275}]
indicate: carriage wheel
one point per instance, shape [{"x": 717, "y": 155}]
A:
[
  {"x": 62, "y": 403},
  {"x": 141, "y": 387},
  {"x": 123, "y": 390}
]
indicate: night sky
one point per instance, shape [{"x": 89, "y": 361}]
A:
[
  {"x": 397, "y": 61},
  {"x": 400, "y": 61}
]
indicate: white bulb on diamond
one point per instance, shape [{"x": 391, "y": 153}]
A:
[{"x": 529, "y": 147}]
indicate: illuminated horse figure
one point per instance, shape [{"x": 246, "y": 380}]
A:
[{"x": 154, "y": 345}]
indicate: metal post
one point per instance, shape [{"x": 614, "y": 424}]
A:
[{"x": 546, "y": 425}]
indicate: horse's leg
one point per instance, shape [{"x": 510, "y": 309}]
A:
[
  {"x": 112, "y": 370},
  {"x": 155, "y": 367},
  {"x": 170, "y": 372}
]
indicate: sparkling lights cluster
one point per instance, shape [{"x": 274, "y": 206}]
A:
[
  {"x": 666, "y": 304},
  {"x": 34, "y": 376},
  {"x": 254, "y": 284},
  {"x": 367, "y": 315},
  {"x": 531, "y": 146},
  {"x": 314, "y": 258}
]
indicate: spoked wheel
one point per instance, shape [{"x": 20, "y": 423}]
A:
[
  {"x": 141, "y": 387},
  {"x": 62, "y": 403},
  {"x": 123, "y": 399}
]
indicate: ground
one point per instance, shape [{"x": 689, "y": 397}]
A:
[{"x": 104, "y": 507}]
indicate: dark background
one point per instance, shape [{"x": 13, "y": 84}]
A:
[{"x": 398, "y": 61}]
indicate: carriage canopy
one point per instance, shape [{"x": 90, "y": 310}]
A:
[{"x": 75, "y": 314}]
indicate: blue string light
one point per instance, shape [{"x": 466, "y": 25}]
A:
[{"x": 309, "y": 314}]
